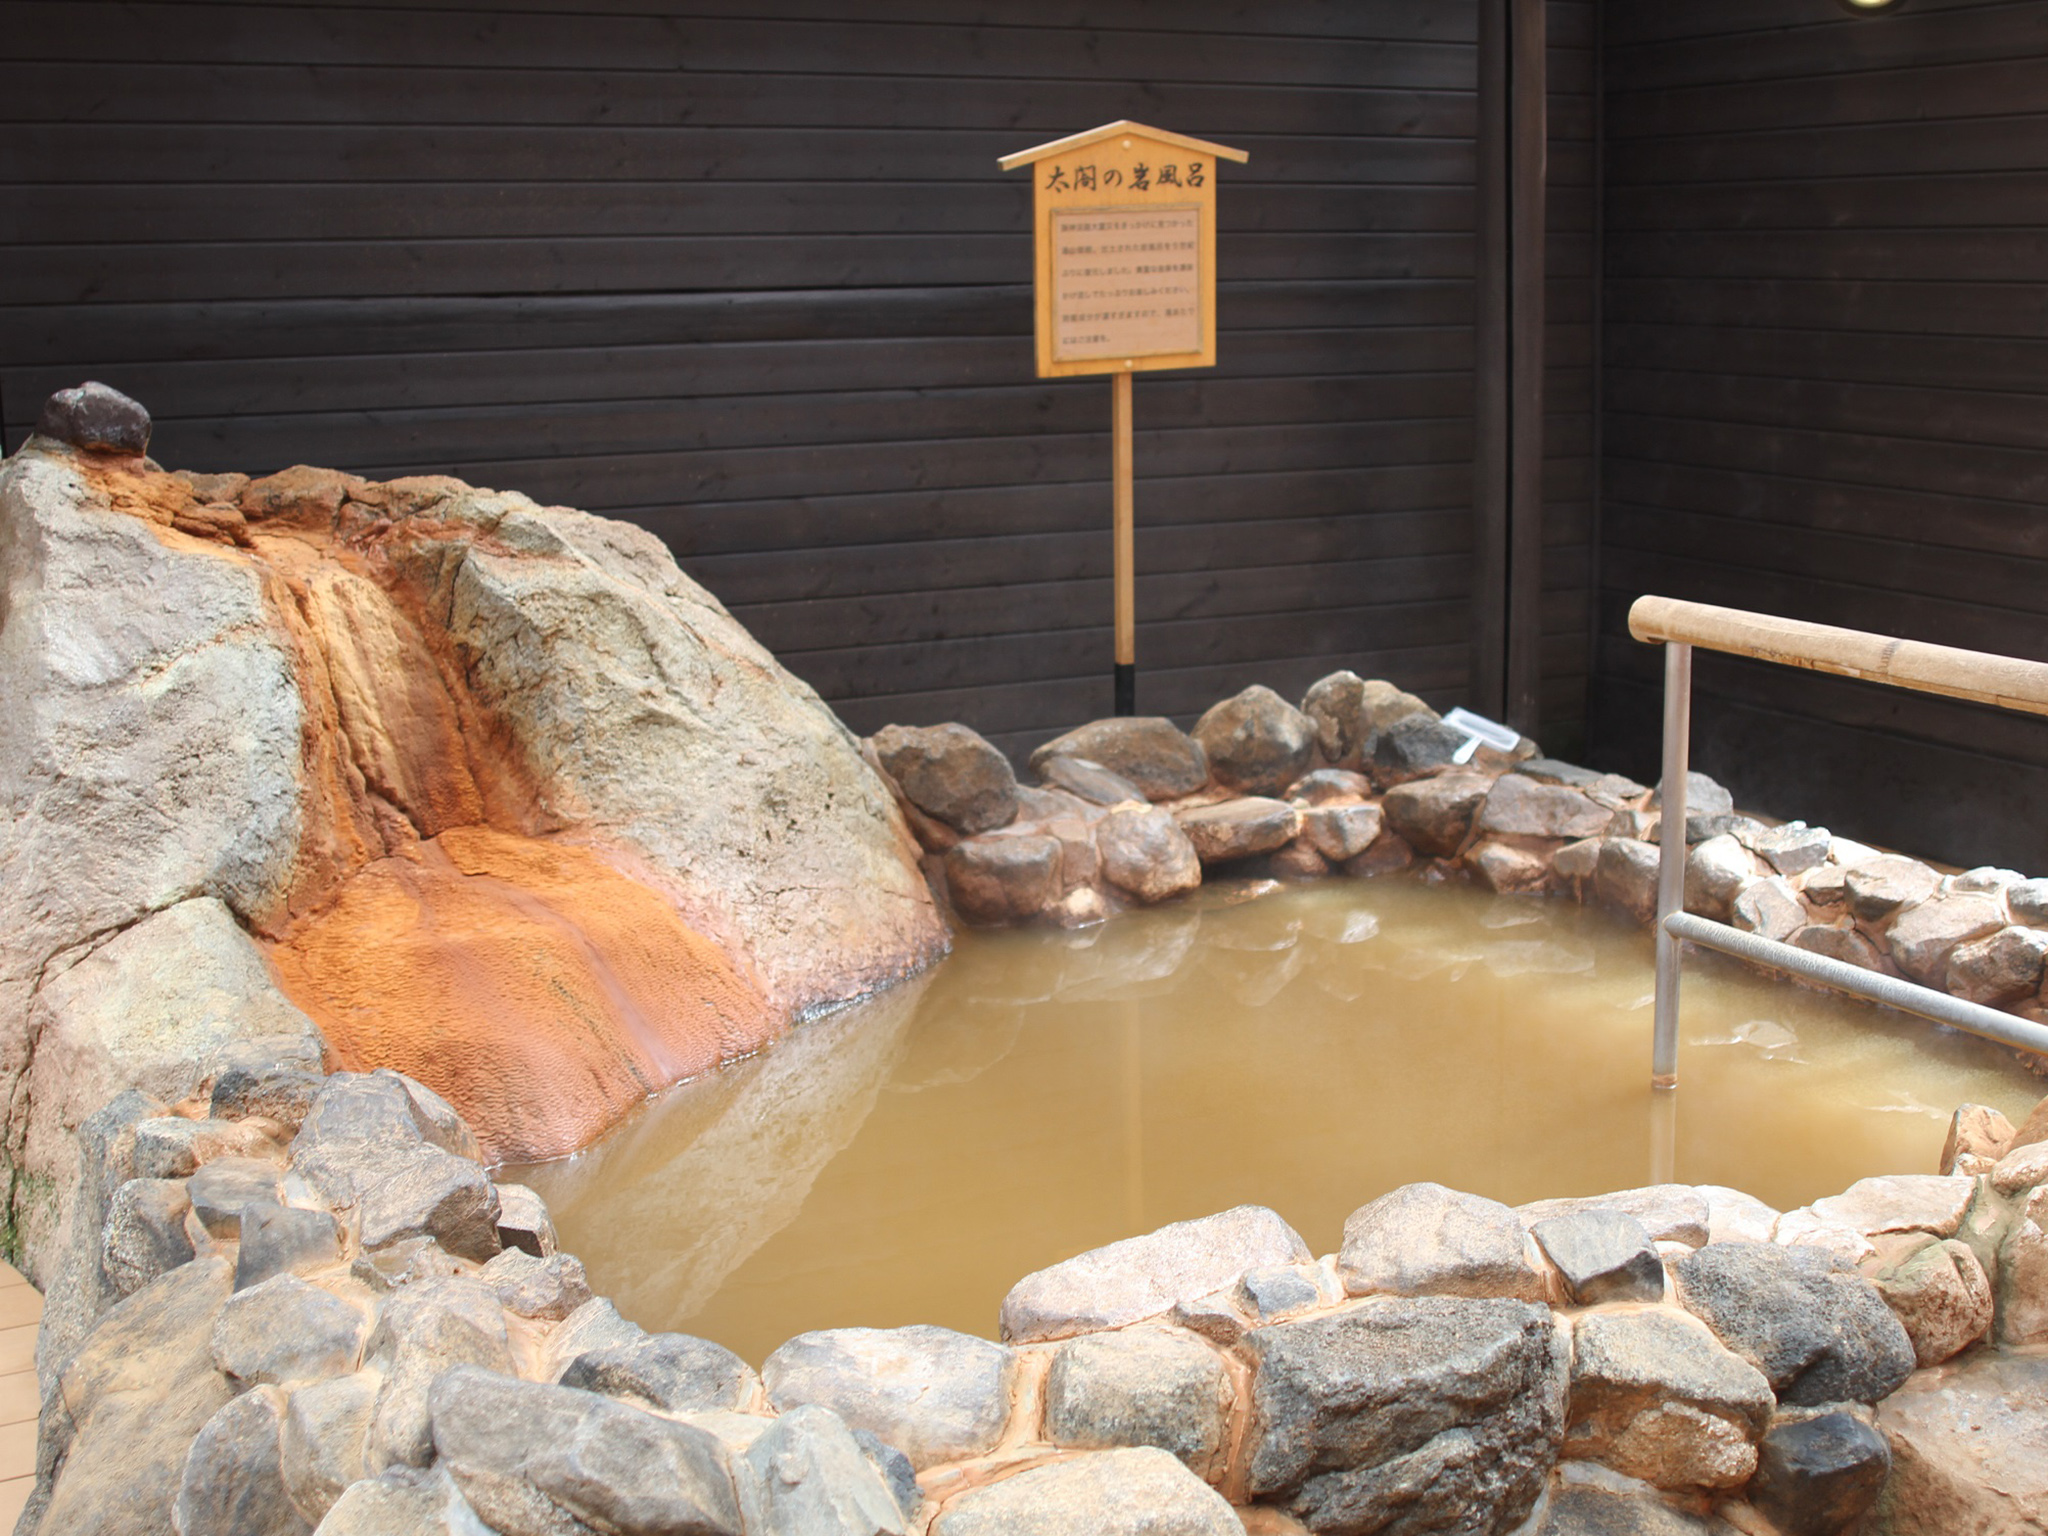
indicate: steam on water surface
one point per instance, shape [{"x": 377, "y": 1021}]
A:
[{"x": 1308, "y": 1049}]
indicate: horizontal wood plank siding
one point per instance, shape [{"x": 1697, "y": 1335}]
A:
[
  {"x": 1826, "y": 325},
  {"x": 746, "y": 273}
]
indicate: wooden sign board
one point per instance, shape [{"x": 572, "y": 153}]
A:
[{"x": 1124, "y": 222}]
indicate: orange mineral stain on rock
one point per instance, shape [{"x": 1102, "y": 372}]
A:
[{"x": 537, "y": 987}]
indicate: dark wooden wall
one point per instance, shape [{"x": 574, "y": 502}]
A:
[
  {"x": 747, "y": 273},
  {"x": 1826, "y": 348}
]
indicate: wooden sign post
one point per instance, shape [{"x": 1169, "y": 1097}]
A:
[{"x": 1124, "y": 221}]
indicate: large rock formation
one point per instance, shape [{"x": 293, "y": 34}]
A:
[{"x": 485, "y": 791}]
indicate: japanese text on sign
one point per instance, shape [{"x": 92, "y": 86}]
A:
[{"x": 1126, "y": 282}]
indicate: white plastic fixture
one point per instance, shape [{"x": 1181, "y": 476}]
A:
[{"x": 1480, "y": 731}]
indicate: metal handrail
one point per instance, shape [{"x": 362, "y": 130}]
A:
[{"x": 2005, "y": 681}]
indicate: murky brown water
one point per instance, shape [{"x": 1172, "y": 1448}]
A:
[{"x": 1041, "y": 1094}]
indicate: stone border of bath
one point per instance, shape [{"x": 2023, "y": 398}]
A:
[
  {"x": 1362, "y": 779},
  {"x": 309, "y": 1307}
]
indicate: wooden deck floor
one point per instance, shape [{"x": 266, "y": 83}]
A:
[{"x": 21, "y": 1308}]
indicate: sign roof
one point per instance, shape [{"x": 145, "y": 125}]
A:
[{"x": 1122, "y": 125}]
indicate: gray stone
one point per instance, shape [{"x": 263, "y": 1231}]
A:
[
  {"x": 1999, "y": 969},
  {"x": 233, "y": 1483},
  {"x": 1145, "y": 853},
  {"x": 950, "y": 772},
  {"x": 1239, "y": 829},
  {"x": 1940, "y": 1292},
  {"x": 1412, "y": 747},
  {"x": 285, "y": 1330},
  {"x": 1578, "y": 861},
  {"x": 325, "y": 1445},
  {"x": 361, "y": 1125},
  {"x": 1509, "y": 868},
  {"x": 1655, "y": 1397},
  {"x": 1969, "y": 1446},
  {"x": 431, "y": 1193},
  {"x": 171, "y": 1147},
  {"x": 1733, "y": 1216},
  {"x": 1518, "y": 805},
  {"x": 1626, "y": 876},
  {"x": 1330, "y": 786},
  {"x": 1005, "y": 878},
  {"x": 1709, "y": 807},
  {"x": 1818, "y": 1330},
  {"x": 525, "y": 1454},
  {"x": 1827, "y": 886},
  {"x": 1424, "y": 1239},
  {"x": 809, "y": 1477},
  {"x": 1388, "y": 854},
  {"x": 523, "y": 1221},
  {"x": 95, "y": 416},
  {"x": 1154, "y": 754},
  {"x": 1792, "y": 849},
  {"x": 1900, "y": 1202},
  {"x": 1879, "y": 886},
  {"x": 1986, "y": 878},
  {"x": 896, "y": 1472},
  {"x": 1819, "y": 1476},
  {"x": 1716, "y": 872},
  {"x": 223, "y": 1189},
  {"x": 934, "y": 1394},
  {"x": 594, "y": 1325},
  {"x": 2020, "y": 1275},
  {"x": 548, "y": 1289},
  {"x": 407, "y": 1263},
  {"x": 1591, "y": 1509},
  {"x": 1148, "y": 1385},
  {"x": 1925, "y": 935},
  {"x": 669, "y": 1371},
  {"x": 425, "y": 1329},
  {"x": 145, "y": 1235},
  {"x": 1408, "y": 1415},
  {"x": 1090, "y": 781},
  {"x": 1271, "y": 1292},
  {"x": 142, "y": 1384},
  {"x": 2022, "y": 1168},
  {"x": 1845, "y": 944},
  {"x": 1340, "y": 832},
  {"x": 1256, "y": 742},
  {"x": 1603, "y": 1256},
  {"x": 283, "y": 1239},
  {"x": 404, "y": 1501},
  {"x": 1434, "y": 816},
  {"x": 1216, "y": 1317},
  {"x": 1141, "y": 1492},
  {"x": 2028, "y": 902},
  {"x": 1669, "y": 1213},
  {"x": 279, "y": 1094},
  {"x": 1141, "y": 1277},
  {"x": 1769, "y": 908}
]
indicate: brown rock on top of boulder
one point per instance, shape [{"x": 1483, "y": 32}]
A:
[
  {"x": 1424, "y": 1239},
  {"x": 1670, "y": 1213},
  {"x": 1145, "y": 852},
  {"x": 1005, "y": 879},
  {"x": 1089, "y": 781},
  {"x": 1510, "y": 867},
  {"x": 1521, "y": 805},
  {"x": 1976, "y": 1130},
  {"x": 1998, "y": 969},
  {"x": 1435, "y": 815},
  {"x": 950, "y": 772},
  {"x": 2032, "y": 1129},
  {"x": 1134, "y": 1492},
  {"x": 1925, "y": 935},
  {"x": 1256, "y": 742},
  {"x": 1770, "y": 908},
  {"x": 1150, "y": 751},
  {"x": 1716, "y": 872},
  {"x": 95, "y": 416},
  {"x": 1348, "y": 711},
  {"x": 1880, "y": 886},
  {"x": 1141, "y": 1277},
  {"x": 1239, "y": 829},
  {"x": 1844, "y": 944}
]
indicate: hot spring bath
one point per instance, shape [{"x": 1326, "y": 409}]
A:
[{"x": 1308, "y": 1048}]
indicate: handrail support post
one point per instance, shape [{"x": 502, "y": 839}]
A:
[{"x": 1671, "y": 859}]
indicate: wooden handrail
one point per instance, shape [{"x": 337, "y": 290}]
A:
[{"x": 2005, "y": 681}]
